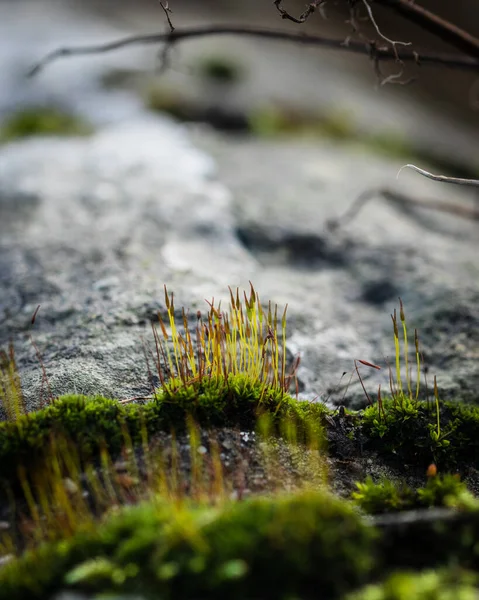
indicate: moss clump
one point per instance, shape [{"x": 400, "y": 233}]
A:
[
  {"x": 120, "y": 78},
  {"x": 11, "y": 396},
  {"x": 390, "y": 144},
  {"x": 450, "y": 584},
  {"x": 309, "y": 545},
  {"x": 220, "y": 69},
  {"x": 417, "y": 433},
  {"x": 414, "y": 432},
  {"x": 161, "y": 99},
  {"x": 387, "y": 496},
  {"x": 96, "y": 423},
  {"x": 338, "y": 125},
  {"x": 40, "y": 122},
  {"x": 229, "y": 371},
  {"x": 280, "y": 121}
]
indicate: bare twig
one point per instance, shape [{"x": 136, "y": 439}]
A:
[
  {"x": 410, "y": 10},
  {"x": 380, "y": 53},
  {"x": 395, "y": 78},
  {"x": 442, "y": 178},
  {"x": 427, "y": 20},
  {"x": 378, "y": 31},
  {"x": 167, "y": 10},
  {"x": 311, "y": 8},
  {"x": 394, "y": 196}
]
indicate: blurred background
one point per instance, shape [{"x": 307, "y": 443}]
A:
[
  {"x": 447, "y": 90},
  {"x": 245, "y": 84}
]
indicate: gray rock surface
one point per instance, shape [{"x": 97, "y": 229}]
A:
[
  {"x": 342, "y": 285},
  {"x": 91, "y": 229}
]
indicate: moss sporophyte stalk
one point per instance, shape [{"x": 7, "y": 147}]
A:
[
  {"x": 240, "y": 341},
  {"x": 72, "y": 471}
]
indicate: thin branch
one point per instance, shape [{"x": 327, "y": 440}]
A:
[
  {"x": 410, "y": 10},
  {"x": 378, "y": 31},
  {"x": 442, "y": 178},
  {"x": 167, "y": 10},
  {"x": 394, "y": 196},
  {"x": 316, "y": 4},
  {"x": 439, "y": 27},
  {"x": 378, "y": 53}
]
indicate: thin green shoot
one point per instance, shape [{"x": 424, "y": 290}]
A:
[
  {"x": 398, "y": 354},
  {"x": 406, "y": 349},
  {"x": 418, "y": 363}
]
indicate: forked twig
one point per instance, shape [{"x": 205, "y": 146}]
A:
[
  {"x": 378, "y": 31},
  {"x": 413, "y": 12},
  {"x": 434, "y": 24},
  {"x": 311, "y": 8},
  {"x": 167, "y": 10}
]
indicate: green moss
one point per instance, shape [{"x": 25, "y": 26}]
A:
[
  {"x": 120, "y": 78},
  {"x": 280, "y": 121},
  {"x": 40, "y": 122},
  {"x": 94, "y": 423},
  {"x": 161, "y": 99},
  {"x": 451, "y": 584},
  {"x": 387, "y": 496},
  {"x": 309, "y": 546},
  {"x": 220, "y": 68},
  {"x": 415, "y": 433},
  {"x": 390, "y": 144}
]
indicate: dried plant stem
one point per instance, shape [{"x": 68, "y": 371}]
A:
[
  {"x": 442, "y": 178},
  {"x": 466, "y": 212}
]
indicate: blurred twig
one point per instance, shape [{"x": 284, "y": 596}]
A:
[
  {"x": 465, "y": 212},
  {"x": 410, "y": 10},
  {"x": 378, "y": 53},
  {"x": 429, "y": 21}
]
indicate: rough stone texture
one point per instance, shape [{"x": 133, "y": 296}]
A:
[
  {"x": 342, "y": 285},
  {"x": 109, "y": 219},
  {"x": 92, "y": 228}
]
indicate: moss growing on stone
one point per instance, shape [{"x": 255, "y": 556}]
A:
[
  {"x": 388, "y": 496},
  {"x": 229, "y": 370},
  {"x": 408, "y": 433},
  {"x": 96, "y": 423},
  {"x": 11, "y": 395},
  {"x": 41, "y": 121},
  {"x": 309, "y": 545},
  {"x": 445, "y": 584},
  {"x": 165, "y": 100},
  {"x": 221, "y": 69},
  {"x": 391, "y": 144},
  {"x": 282, "y": 121}
]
